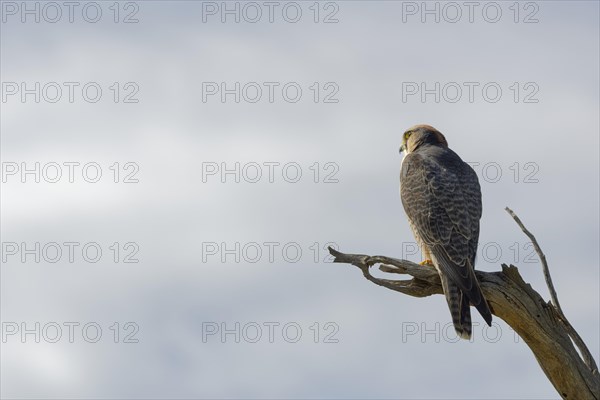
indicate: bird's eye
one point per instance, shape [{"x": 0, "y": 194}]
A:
[{"x": 407, "y": 135}]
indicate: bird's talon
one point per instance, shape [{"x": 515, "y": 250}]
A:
[{"x": 426, "y": 262}]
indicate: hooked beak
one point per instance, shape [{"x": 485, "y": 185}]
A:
[{"x": 401, "y": 149}]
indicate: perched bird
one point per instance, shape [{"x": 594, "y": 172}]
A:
[{"x": 442, "y": 199}]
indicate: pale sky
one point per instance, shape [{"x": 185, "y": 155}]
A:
[{"x": 517, "y": 98}]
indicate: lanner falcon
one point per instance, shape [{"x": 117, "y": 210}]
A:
[{"x": 442, "y": 199}]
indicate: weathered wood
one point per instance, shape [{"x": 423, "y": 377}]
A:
[
  {"x": 587, "y": 355},
  {"x": 542, "y": 325}
]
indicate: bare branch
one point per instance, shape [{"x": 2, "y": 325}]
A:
[
  {"x": 426, "y": 279},
  {"x": 542, "y": 257},
  {"x": 585, "y": 352},
  {"x": 542, "y": 325}
]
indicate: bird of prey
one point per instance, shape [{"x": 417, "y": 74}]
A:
[{"x": 442, "y": 199}]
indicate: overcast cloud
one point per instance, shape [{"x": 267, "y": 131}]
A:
[{"x": 518, "y": 96}]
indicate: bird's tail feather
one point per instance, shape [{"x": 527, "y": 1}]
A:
[
  {"x": 482, "y": 306},
  {"x": 459, "y": 306},
  {"x": 465, "y": 316}
]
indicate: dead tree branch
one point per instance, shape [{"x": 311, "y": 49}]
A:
[
  {"x": 542, "y": 325},
  {"x": 585, "y": 352},
  {"x": 542, "y": 257}
]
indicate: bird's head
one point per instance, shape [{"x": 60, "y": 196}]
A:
[{"x": 419, "y": 135}]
